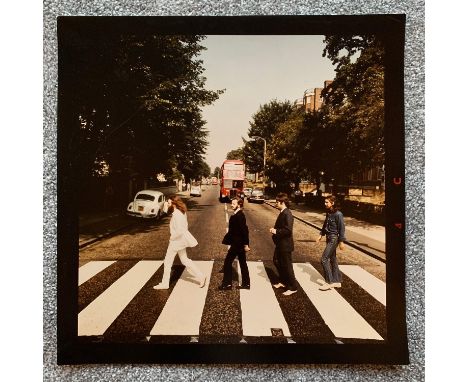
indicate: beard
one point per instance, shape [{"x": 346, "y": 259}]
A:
[{"x": 170, "y": 210}]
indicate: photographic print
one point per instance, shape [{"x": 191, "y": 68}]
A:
[{"x": 231, "y": 190}]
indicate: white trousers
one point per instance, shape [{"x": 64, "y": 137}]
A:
[{"x": 189, "y": 264}]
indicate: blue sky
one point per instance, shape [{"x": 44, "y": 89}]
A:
[{"x": 255, "y": 70}]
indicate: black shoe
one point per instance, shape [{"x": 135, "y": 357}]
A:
[
  {"x": 246, "y": 286},
  {"x": 225, "y": 287}
]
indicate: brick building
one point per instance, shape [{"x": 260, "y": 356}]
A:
[{"x": 312, "y": 99}]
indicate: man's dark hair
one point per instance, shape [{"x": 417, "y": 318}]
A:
[
  {"x": 240, "y": 201},
  {"x": 283, "y": 198}
]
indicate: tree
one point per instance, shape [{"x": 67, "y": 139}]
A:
[
  {"x": 264, "y": 124},
  {"x": 353, "y": 110},
  {"x": 205, "y": 170},
  {"x": 285, "y": 163},
  {"x": 216, "y": 172},
  {"x": 237, "y": 154},
  {"x": 133, "y": 103}
]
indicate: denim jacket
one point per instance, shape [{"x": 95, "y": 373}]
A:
[{"x": 334, "y": 225}]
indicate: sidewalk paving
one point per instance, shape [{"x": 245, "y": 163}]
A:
[
  {"x": 373, "y": 231},
  {"x": 89, "y": 218},
  {"x": 369, "y": 236},
  {"x": 96, "y": 217},
  {"x": 99, "y": 224}
]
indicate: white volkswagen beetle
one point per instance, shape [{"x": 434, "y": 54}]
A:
[{"x": 147, "y": 204}]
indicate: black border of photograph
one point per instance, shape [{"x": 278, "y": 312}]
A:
[{"x": 391, "y": 30}]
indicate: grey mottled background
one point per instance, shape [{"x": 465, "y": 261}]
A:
[{"x": 414, "y": 116}]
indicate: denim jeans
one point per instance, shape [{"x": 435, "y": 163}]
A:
[{"x": 329, "y": 261}]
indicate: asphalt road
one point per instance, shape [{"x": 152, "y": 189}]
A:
[
  {"x": 207, "y": 222},
  {"x": 223, "y": 315}
]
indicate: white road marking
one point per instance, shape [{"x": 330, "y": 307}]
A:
[
  {"x": 91, "y": 269},
  {"x": 337, "y": 313},
  {"x": 99, "y": 315},
  {"x": 370, "y": 283},
  {"x": 260, "y": 308},
  {"x": 183, "y": 310}
]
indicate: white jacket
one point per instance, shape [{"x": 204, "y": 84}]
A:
[{"x": 180, "y": 235}]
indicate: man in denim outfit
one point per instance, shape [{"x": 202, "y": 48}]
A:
[{"x": 334, "y": 230}]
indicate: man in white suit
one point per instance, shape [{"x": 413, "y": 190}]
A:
[{"x": 180, "y": 239}]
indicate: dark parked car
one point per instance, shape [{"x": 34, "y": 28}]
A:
[
  {"x": 247, "y": 192},
  {"x": 257, "y": 196}
]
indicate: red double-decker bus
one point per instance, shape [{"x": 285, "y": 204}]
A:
[{"x": 231, "y": 180}]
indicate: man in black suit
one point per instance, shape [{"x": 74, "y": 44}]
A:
[
  {"x": 238, "y": 239},
  {"x": 283, "y": 239}
]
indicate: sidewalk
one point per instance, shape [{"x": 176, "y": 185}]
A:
[
  {"x": 373, "y": 231},
  {"x": 370, "y": 237},
  {"x": 91, "y": 218},
  {"x": 367, "y": 236},
  {"x": 96, "y": 225}
]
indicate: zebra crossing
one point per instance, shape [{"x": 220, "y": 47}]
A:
[
  {"x": 183, "y": 311},
  {"x": 117, "y": 301}
]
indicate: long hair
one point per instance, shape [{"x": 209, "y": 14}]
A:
[
  {"x": 334, "y": 201},
  {"x": 178, "y": 203}
]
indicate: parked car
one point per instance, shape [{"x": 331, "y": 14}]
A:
[
  {"x": 195, "y": 190},
  {"x": 147, "y": 204},
  {"x": 298, "y": 195},
  {"x": 257, "y": 196},
  {"x": 247, "y": 192}
]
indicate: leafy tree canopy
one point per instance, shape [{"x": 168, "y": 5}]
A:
[
  {"x": 135, "y": 103},
  {"x": 216, "y": 172},
  {"x": 264, "y": 124},
  {"x": 342, "y": 138},
  {"x": 353, "y": 111},
  {"x": 236, "y": 154}
]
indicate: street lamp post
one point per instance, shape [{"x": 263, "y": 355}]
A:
[{"x": 264, "y": 158}]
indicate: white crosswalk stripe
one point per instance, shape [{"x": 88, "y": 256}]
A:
[
  {"x": 183, "y": 310},
  {"x": 261, "y": 311},
  {"x": 337, "y": 313},
  {"x": 260, "y": 308},
  {"x": 91, "y": 269},
  {"x": 99, "y": 315},
  {"x": 372, "y": 285}
]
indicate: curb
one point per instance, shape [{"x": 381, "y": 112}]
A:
[
  {"x": 103, "y": 236},
  {"x": 352, "y": 245}
]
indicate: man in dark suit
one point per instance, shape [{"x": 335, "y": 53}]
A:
[
  {"x": 283, "y": 239},
  {"x": 238, "y": 239}
]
